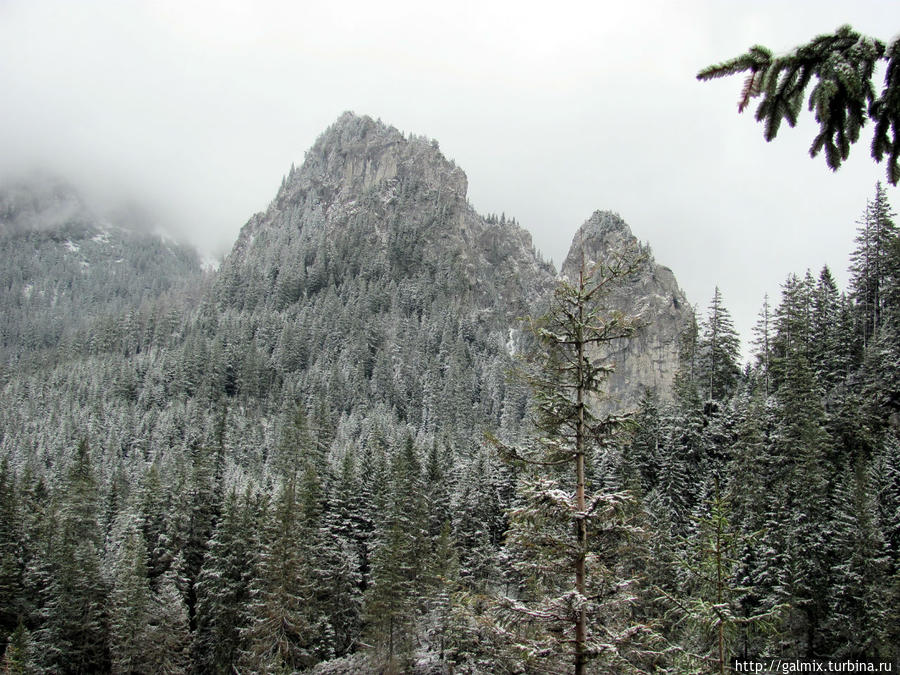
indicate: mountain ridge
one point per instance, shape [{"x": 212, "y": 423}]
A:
[
  {"x": 371, "y": 201},
  {"x": 650, "y": 358},
  {"x": 371, "y": 207}
]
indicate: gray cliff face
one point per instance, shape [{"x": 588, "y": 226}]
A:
[
  {"x": 373, "y": 209},
  {"x": 649, "y": 359},
  {"x": 369, "y": 200}
]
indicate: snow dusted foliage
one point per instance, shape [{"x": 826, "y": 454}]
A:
[
  {"x": 573, "y": 549},
  {"x": 282, "y": 465},
  {"x": 798, "y": 452},
  {"x": 74, "y": 282}
]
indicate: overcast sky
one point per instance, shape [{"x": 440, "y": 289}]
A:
[{"x": 553, "y": 111}]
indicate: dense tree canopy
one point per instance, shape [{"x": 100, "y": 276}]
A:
[{"x": 288, "y": 470}]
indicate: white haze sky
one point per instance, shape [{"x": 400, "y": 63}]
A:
[{"x": 553, "y": 111}]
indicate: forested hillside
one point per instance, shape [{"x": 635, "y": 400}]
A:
[
  {"x": 72, "y": 280},
  {"x": 314, "y": 458},
  {"x": 774, "y": 489}
]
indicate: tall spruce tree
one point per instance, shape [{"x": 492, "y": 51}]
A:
[
  {"x": 278, "y": 635},
  {"x": 872, "y": 262},
  {"x": 223, "y": 589},
  {"x": 802, "y": 447},
  {"x": 762, "y": 340},
  {"x": 793, "y": 327},
  {"x": 859, "y": 619},
  {"x": 74, "y": 636},
  {"x": 719, "y": 351},
  {"x": 827, "y": 348},
  {"x": 11, "y": 570},
  {"x": 129, "y": 601},
  {"x": 168, "y": 630},
  {"x": 570, "y": 544},
  {"x": 711, "y": 615},
  {"x": 399, "y": 563}
]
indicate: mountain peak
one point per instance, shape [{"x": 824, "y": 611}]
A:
[
  {"x": 603, "y": 232},
  {"x": 648, "y": 359},
  {"x": 605, "y": 221},
  {"x": 357, "y": 154},
  {"x": 351, "y": 129},
  {"x": 370, "y": 200}
]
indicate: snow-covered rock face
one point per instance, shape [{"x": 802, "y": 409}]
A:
[
  {"x": 372, "y": 202},
  {"x": 649, "y": 359},
  {"x": 357, "y": 154},
  {"x": 370, "y": 199}
]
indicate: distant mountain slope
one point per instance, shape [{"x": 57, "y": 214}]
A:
[
  {"x": 371, "y": 277},
  {"x": 370, "y": 202},
  {"x": 64, "y": 268}
]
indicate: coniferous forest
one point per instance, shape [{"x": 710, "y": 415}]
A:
[{"x": 382, "y": 437}]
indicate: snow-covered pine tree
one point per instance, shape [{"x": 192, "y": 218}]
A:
[
  {"x": 223, "y": 592},
  {"x": 751, "y": 472},
  {"x": 74, "y": 635},
  {"x": 194, "y": 515},
  {"x": 762, "y": 340},
  {"x": 827, "y": 353},
  {"x": 168, "y": 630},
  {"x": 10, "y": 555},
  {"x": 392, "y": 602},
  {"x": 340, "y": 542},
  {"x": 710, "y": 615},
  {"x": 571, "y": 545},
  {"x": 859, "y": 619},
  {"x": 642, "y": 457},
  {"x": 278, "y": 634},
  {"x": 871, "y": 262},
  {"x": 802, "y": 446},
  {"x": 719, "y": 351},
  {"x": 792, "y": 326},
  {"x": 477, "y": 517},
  {"x": 129, "y": 599}
]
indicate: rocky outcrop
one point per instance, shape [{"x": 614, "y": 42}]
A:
[
  {"x": 649, "y": 359},
  {"x": 370, "y": 200},
  {"x": 374, "y": 211}
]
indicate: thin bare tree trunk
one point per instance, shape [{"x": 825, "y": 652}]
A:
[{"x": 579, "y": 494}]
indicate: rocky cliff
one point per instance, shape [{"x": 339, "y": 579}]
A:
[
  {"x": 374, "y": 229},
  {"x": 649, "y": 359},
  {"x": 369, "y": 200}
]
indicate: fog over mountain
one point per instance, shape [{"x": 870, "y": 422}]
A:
[{"x": 198, "y": 109}]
